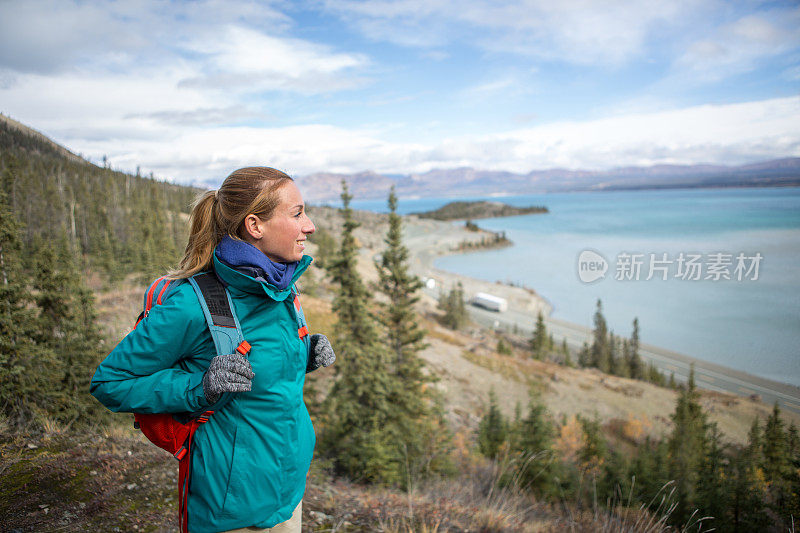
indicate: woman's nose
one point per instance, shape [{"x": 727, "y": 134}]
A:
[{"x": 309, "y": 228}]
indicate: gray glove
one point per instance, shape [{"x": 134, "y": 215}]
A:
[
  {"x": 320, "y": 354},
  {"x": 227, "y": 373}
]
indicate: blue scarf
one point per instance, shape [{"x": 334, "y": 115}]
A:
[{"x": 249, "y": 260}]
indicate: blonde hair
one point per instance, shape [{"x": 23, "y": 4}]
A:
[{"x": 222, "y": 212}]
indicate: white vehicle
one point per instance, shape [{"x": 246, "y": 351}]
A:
[{"x": 490, "y": 302}]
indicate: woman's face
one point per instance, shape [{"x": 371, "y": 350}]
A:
[{"x": 282, "y": 238}]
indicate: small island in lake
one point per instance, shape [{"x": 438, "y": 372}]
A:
[{"x": 478, "y": 209}]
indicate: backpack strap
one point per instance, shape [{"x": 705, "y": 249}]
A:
[
  {"x": 302, "y": 325},
  {"x": 153, "y": 296},
  {"x": 223, "y": 324}
]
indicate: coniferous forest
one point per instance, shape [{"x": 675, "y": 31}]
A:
[
  {"x": 62, "y": 217},
  {"x": 382, "y": 422}
]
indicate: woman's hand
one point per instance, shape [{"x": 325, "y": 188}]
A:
[
  {"x": 321, "y": 353},
  {"x": 227, "y": 373}
]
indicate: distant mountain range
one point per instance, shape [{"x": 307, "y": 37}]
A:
[
  {"x": 465, "y": 182},
  {"x": 462, "y": 182}
]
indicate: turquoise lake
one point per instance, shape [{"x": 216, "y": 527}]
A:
[{"x": 749, "y": 324}]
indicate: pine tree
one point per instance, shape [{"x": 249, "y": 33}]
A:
[
  {"x": 712, "y": 490},
  {"x": 793, "y": 448},
  {"x": 405, "y": 337},
  {"x": 650, "y": 467},
  {"x": 539, "y": 339},
  {"x": 455, "y": 312},
  {"x": 415, "y": 409},
  {"x": 492, "y": 430},
  {"x": 599, "y": 350},
  {"x": 687, "y": 447},
  {"x": 67, "y": 326},
  {"x": 566, "y": 352},
  {"x": 23, "y": 389},
  {"x": 584, "y": 356},
  {"x": 637, "y": 370},
  {"x": 592, "y": 453},
  {"x": 359, "y": 435},
  {"x": 748, "y": 490},
  {"x": 610, "y": 363},
  {"x": 532, "y": 445},
  {"x": 777, "y": 463}
]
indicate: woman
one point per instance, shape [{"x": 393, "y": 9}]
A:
[{"x": 250, "y": 460}]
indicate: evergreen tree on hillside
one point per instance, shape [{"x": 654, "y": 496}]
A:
[
  {"x": 585, "y": 356},
  {"x": 493, "y": 429},
  {"x": 687, "y": 449},
  {"x": 66, "y": 327},
  {"x": 405, "y": 337},
  {"x": 117, "y": 223},
  {"x": 359, "y": 433},
  {"x": 793, "y": 447},
  {"x": 452, "y": 303},
  {"x": 777, "y": 464},
  {"x": 713, "y": 486},
  {"x": 612, "y": 361},
  {"x": 593, "y": 452},
  {"x": 748, "y": 490},
  {"x": 637, "y": 370},
  {"x": 623, "y": 367},
  {"x": 533, "y": 448},
  {"x": 538, "y": 341},
  {"x": 598, "y": 355},
  {"x": 650, "y": 468},
  {"x": 23, "y": 360},
  {"x": 418, "y": 417}
]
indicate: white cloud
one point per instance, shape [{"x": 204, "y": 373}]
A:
[
  {"x": 725, "y": 134},
  {"x": 247, "y": 60},
  {"x": 579, "y": 31},
  {"x": 738, "y": 47},
  {"x": 235, "y": 45}
]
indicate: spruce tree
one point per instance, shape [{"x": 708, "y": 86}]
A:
[
  {"x": 592, "y": 453},
  {"x": 777, "y": 463},
  {"x": 359, "y": 435},
  {"x": 417, "y": 416},
  {"x": 404, "y": 335},
  {"x": 712, "y": 491},
  {"x": 637, "y": 370},
  {"x": 533, "y": 445},
  {"x": 24, "y": 390},
  {"x": 452, "y": 303},
  {"x": 584, "y": 356},
  {"x": 687, "y": 447},
  {"x": 567, "y": 354},
  {"x": 610, "y": 362},
  {"x": 599, "y": 350},
  {"x": 539, "y": 339},
  {"x": 492, "y": 430},
  {"x": 748, "y": 490},
  {"x": 650, "y": 468}
]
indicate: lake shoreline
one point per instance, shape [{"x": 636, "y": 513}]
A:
[{"x": 428, "y": 240}]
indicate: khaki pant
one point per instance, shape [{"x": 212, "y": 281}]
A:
[{"x": 290, "y": 526}]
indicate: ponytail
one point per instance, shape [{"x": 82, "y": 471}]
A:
[
  {"x": 204, "y": 235},
  {"x": 219, "y": 213}
]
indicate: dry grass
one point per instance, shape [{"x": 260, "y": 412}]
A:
[{"x": 506, "y": 366}]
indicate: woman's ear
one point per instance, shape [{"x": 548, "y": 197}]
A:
[{"x": 252, "y": 227}]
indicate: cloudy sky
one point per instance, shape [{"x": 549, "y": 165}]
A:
[{"x": 193, "y": 90}]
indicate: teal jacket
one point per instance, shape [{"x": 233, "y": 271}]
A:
[{"x": 250, "y": 460}]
